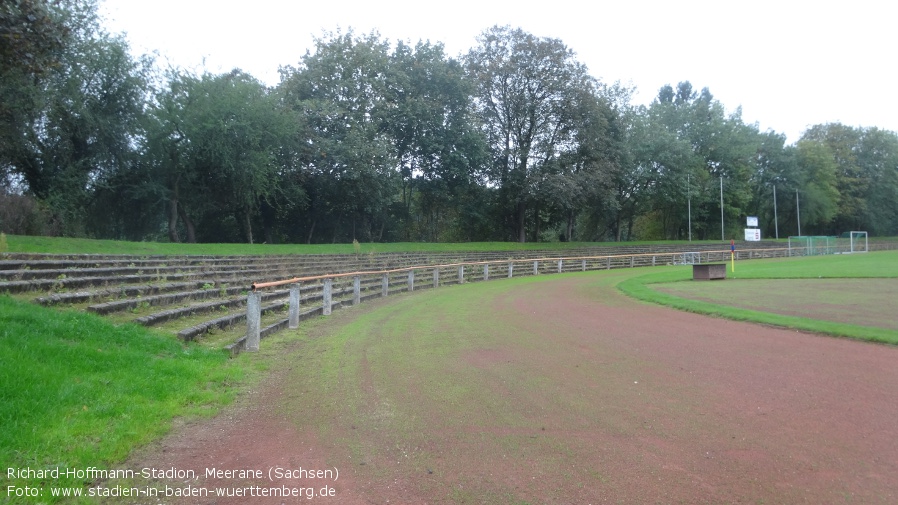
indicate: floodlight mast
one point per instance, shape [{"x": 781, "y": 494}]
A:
[
  {"x": 776, "y": 225},
  {"x": 722, "y": 237},
  {"x": 689, "y": 202}
]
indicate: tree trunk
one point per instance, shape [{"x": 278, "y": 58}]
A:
[
  {"x": 173, "y": 221},
  {"x": 536, "y": 224},
  {"x": 249, "y": 227},
  {"x": 188, "y": 224},
  {"x": 311, "y": 231},
  {"x": 569, "y": 233},
  {"x": 617, "y": 226},
  {"x": 522, "y": 237}
]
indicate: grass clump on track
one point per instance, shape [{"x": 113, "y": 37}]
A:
[
  {"x": 78, "y": 392},
  {"x": 674, "y": 288}
]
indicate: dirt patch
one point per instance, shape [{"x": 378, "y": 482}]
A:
[
  {"x": 562, "y": 391},
  {"x": 864, "y": 302}
]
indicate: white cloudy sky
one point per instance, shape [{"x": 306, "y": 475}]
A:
[{"x": 788, "y": 64}]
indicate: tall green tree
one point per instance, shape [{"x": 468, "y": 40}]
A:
[
  {"x": 340, "y": 90},
  {"x": 525, "y": 92},
  {"x": 78, "y": 121},
  {"x": 724, "y": 146},
  {"x": 216, "y": 146},
  {"x": 866, "y": 162},
  {"x": 440, "y": 151}
]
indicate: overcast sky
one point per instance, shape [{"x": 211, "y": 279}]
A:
[{"x": 788, "y": 64}]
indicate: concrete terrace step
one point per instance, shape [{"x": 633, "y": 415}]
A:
[{"x": 208, "y": 284}]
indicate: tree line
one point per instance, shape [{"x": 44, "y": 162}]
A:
[{"x": 377, "y": 141}]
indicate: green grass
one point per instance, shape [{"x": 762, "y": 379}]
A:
[
  {"x": 78, "y": 392},
  {"x": 56, "y": 245},
  {"x": 872, "y": 265}
]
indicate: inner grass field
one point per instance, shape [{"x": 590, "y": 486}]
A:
[
  {"x": 852, "y": 295},
  {"x": 78, "y": 391}
]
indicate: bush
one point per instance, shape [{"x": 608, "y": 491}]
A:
[{"x": 23, "y": 215}]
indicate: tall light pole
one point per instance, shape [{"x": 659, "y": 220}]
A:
[
  {"x": 798, "y": 210},
  {"x": 689, "y": 201},
  {"x": 722, "y": 237},
  {"x": 776, "y": 225}
]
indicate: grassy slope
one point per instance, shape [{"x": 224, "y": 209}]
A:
[
  {"x": 76, "y": 391},
  {"x": 25, "y": 244},
  {"x": 878, "y": 264}
]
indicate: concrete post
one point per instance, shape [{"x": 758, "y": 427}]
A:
[
  {"x": 385, "y": 285},
  {"x": 411, "y": 280},
  {"x": 253, "y": 320},
  {"x": 461, "y": 274},
  {"x": 583, "y": 267},
  {"x": 536, "y": 268},
  {"x": 559, "y": 265},
  {"x": 356, "y": 290},
  {"x": 294, "y": 306},
  {"x": 632, "y": 258},
  {"x": 327, "y": 293},
  {"x": 486, "y": 272},
  {"x": 510, "y": 269},
  {"x": 436, "y": 277},
  {"x": 609, "y": 263},
  {"x": 653, "y": 261}
]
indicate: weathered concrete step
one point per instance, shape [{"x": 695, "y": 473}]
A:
[
  {"x": 100, "y": 282},
  {"x": 201, "y": 308},
  {"x": 163, "y": 299},
  {"x": 122, "y": 291}
]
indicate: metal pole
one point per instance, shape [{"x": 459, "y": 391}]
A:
[
  {"x": 722, "y": 237},
  {"x": 798, "y": 210},
  {"x": 689, "y": 200},
  {"x": 776, "y": 225}
]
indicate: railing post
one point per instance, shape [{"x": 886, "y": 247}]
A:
[
  {"x": 253, "y": 320},
  {"x": 385, "y": 285},
  {"x": 411, "y": 280},
  {"x": 584, "y": 265},
  {"x": 510, "y": 269},
  {"x": 560, "y": 262},
  {"x": 356, "y": 290},
  {"x": 326, "y": 296},
  {"x": 653, "y": 261},
  {"x": 294, "y": 306},
  {"x": 536, "y": 268},
  {"x": 632, "y": 259},
  {"x": 486, "y": 272},
  {"x": 436, "y": 277},
  {"x": 461, "y": 274},
  {"x": 608, "y": 267}
]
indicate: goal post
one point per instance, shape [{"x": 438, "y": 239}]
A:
[
  {"x": 859, "y": 241},
  {"x": 808, "y": 245}
]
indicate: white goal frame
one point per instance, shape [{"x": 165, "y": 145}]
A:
[{"x": 856, "y": 244}]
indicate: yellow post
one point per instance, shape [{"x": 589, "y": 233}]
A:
[{"x": 732, "y": 262}]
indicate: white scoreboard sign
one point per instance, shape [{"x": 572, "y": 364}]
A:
[{"x": 752, "y": 235}]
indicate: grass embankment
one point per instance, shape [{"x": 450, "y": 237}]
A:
[
  {"x": 879, "y": 265},
  {"x": 54, "y": 245},
  {"x": 77, "y": 392}
]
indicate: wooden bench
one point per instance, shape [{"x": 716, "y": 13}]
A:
[{"x": 709, "y": 271}]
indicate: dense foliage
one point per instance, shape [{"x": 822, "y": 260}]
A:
[{"x": 369, "y": 140}]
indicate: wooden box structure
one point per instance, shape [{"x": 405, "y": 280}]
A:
[{"x": 709, "y": 271}]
